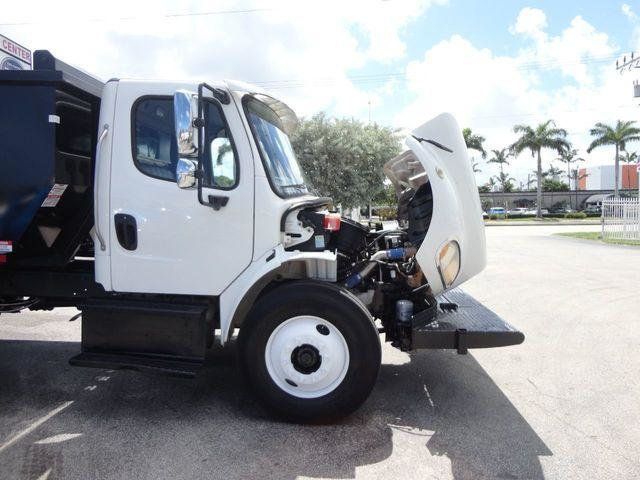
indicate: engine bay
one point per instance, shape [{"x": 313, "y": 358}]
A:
[{"x": 378, "y": 266}]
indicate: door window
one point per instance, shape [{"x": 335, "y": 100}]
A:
[
  {"x": 154, "y": 148},
  {"x": 220, "y": 158}
]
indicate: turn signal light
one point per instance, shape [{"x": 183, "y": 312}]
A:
[{"x": 331, "y": 222}]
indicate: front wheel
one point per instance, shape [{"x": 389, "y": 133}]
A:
[{"x": 310, "y": 351}]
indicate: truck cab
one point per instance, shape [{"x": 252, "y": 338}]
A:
[{"x": 173, "y": 214}]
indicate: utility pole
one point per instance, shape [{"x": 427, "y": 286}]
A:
[
  {"x": 529, "y": 181},
  {"x": 627, "y": 65}
]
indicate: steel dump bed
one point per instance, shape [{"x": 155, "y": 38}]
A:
[{"x": 49, "y": 121}]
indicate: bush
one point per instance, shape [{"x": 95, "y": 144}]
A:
[
  {"x": 496, "y": 216},
  {"x": 387, "y": 213},
  {"x": 575, "y": 215}
]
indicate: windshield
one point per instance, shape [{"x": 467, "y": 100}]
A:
[{"x": 275, "y": 149}]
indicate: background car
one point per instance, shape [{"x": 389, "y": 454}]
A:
[
  {"x": 593, "y": 209},
  {"x": 497, "y": 211},
  {"x": 518, "y": 212}
]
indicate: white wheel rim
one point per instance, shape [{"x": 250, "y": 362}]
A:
[{"x": 300, "y": 336}]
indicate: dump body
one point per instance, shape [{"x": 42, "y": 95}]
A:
[{"x": 47, "y": 149}]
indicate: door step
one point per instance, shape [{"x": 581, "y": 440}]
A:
[
  {"x": 142, "y": 363},
  {"x": 470, "y": 325}
]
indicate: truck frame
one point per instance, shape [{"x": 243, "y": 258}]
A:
[{"x": 174, "y": 214}]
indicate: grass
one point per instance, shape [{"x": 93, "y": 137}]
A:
[{"x": 598, "y": 237}]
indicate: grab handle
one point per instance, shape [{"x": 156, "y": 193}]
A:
[{"x": 103, "y": 134}]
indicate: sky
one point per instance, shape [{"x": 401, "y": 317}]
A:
[{"x": 394, "y": 62}]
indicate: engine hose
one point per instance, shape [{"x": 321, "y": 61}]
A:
[{"x": 392, "y": 254}]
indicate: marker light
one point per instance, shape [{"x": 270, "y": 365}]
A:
[
  {"x": 449, "y": 263},
  {"x": 331, "y": 222}
]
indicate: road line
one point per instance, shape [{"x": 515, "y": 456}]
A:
[{"x": 34, "y": 425}]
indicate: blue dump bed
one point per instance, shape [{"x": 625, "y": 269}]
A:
[{"x": 48, "y": 125}]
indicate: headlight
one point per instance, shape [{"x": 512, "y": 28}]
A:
[{"x": 449, "y": 263}]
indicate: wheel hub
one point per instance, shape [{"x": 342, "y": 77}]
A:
[
  {"x": 306, "y": 359},
  {"x": 307, "y": 356}
]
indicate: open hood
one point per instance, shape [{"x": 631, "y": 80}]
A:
[{"x": 437, "y": 160}]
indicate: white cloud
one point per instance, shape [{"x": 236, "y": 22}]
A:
[
  {"x": 628, "y": 12},
  {"x": 569, "y": 77},
  {"x": 531, "y": 22},
  {"x": 314, "y": 44},
  {"x": 635, "y": 21}
]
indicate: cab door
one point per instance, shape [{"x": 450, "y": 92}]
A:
[{"x": 161, "y": 238}]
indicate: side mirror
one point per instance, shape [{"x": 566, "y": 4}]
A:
[
  {"x": 185, "y": 108},
  {"x": 186, "y": 173}
]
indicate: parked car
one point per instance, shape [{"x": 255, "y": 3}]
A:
[
  {"x": 562, "y": 209},
  {"x": 534, "y": 211},
  {"x": 497, "y": 211},
  {"x": 591, "y": 209},
  {"x": 518, "y": 212}
]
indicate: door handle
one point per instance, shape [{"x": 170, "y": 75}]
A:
[
  {"x": 218, "y": 201},
  {"x": 126, "y": 230}
]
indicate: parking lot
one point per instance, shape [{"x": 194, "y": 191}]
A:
[{"x": 562, "y": 405}]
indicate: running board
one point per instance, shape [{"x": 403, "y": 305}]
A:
[
  {"x": 171, "y": 367},
  {"x": 470, "y": 325}
]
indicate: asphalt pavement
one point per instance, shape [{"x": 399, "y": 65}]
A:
[{"x": 563, "y": 405}]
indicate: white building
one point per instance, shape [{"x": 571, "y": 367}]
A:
[{"x": 602, "y": 177}]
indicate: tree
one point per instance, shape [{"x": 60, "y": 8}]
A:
[
  {"x": 343, "y": 158},
  {"x": 500, "y": 157},
  {"x": 552, "y": 173},
  {"x": 506, "y": 182},
  {"x": 619, "y": 135},
  {"x": 569, "y": 156},
  {"x": 545, "y": 135},
  {"x": 628, "y": 158},
  {"x": 387, "y": 196},
  {"x": 474, "y": 142},
  {"x": 551, "y": 185}
]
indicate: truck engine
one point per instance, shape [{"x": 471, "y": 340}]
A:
[{"x": 379, "y": 266}]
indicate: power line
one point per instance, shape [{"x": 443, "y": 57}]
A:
[
  {"x": 149, "y": 16},
  {"x": 381, "y": 78}
]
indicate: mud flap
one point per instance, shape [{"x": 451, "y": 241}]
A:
[
  {"x": 165, "y": 338},
  {"x": 464, "y": 323}
]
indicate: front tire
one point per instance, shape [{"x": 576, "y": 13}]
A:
[{"x": 310, "y": 351}]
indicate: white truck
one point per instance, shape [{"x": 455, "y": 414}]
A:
[{"x": 174, "y": 214}]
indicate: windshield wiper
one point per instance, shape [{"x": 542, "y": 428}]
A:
[{"x": 434, "y": 143}]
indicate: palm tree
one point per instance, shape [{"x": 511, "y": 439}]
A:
[
  {"x": 620, "y": 135},
  {"x": 545, "y": 135},
  {"x": 629, "y": 157},
  {"x": 474, "y": 142},
  {"x": 553, "y": 172},
  {"x": 569, "y": 157},
  {"x": 500, "y": 157},
  {"x": 505, "y": 182}
]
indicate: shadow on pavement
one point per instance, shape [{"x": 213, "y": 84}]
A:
[{"x": 137, "y": 426}]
